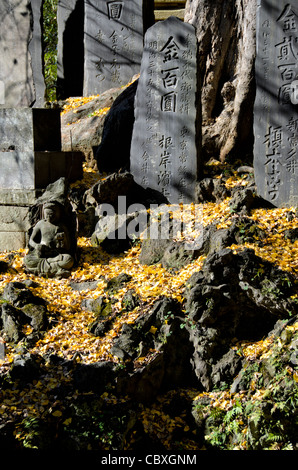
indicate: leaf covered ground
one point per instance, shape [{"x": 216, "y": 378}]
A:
[{"x": 52, "y": 402}]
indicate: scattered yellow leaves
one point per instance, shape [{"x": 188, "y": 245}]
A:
[
  {"x": 70, "y": 331},
  {"x": 73, "y": 103}
]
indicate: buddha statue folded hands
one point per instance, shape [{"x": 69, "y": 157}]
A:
[{"x": 50, "y": 245}]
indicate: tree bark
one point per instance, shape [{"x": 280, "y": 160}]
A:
[{"x": 227, "y": 48}]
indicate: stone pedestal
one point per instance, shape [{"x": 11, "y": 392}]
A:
[{"x": 30, "y": 159}]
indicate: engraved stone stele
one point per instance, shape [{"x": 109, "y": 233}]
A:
[
  {"x": 165, "y": 149},
  {"x": 276, "y": 104},
  {"x": 113, "y": 39},
  {"x": 21, "y": 64},
  {"x": 70, "y": 54},
  {"x": 30, "y": 159}
]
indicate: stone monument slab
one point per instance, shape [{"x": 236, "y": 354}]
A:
[
  {"x": 113, "y": 37},
  {"x": 35, "y": 170},
  {"x": 14, "y": 219},
  {"x": 70, "y": 54},
  {"x": 17, "y": 170},
  {"x": 21, "y": 71},
  {"x": 11, "y": 241},
  {"x": 29, "y": 129},
  {"x": 276, "y": 104},
  {"x": 30, "y": 160},
  {"x": 166, "y": 137}
]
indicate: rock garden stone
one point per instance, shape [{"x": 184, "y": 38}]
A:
[
  {"x": 118, "y": 282},
  {"x": 211, "y": 190},
  {"x": 20, "y": 307},
  {"x": 118, "y": 127},
  {"x": 130, "y": 300}
]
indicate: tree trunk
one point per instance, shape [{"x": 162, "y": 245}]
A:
[{"x": 226, "y": 42}]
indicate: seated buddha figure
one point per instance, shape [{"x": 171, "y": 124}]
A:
[{"x": 50, "y": 245}]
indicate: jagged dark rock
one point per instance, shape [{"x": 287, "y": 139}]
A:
[
  {"x": 108, "y": 190},
  {"x": 21, "y": 307},
  {"x": 130, "y": 300},
  {"x": 100, "y": 327},
  {"x": 178, "y": 254},
  {"x": 211, "y": 190},
  {"x": 160, "y": 329},
  {"x": 245, "y": 199},
  {"x": 234, "y": 296},
  {"x": 291, "y": 234},
  {"x": 13, "y": 320},
  {"x": 101, "y": 306},
  {"x": 19, "y": 295},
  {"x": 3, "y": 267},
  {"x": 117, "y": 128},
  {"x": 116, "y": 283}
]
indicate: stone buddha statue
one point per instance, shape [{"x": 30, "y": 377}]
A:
[{"x": 50, "y": 252}]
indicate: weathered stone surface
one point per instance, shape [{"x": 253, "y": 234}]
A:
[
  {"x": 211, "y": 190},
  {"x": 70, "y": 57},
  {"x": 21, "y": 72},
  {"x": 276, "y": 105},
  {"x": 18, "y": 197},
  {"x": 17, "y": 170},
  {"x": 226, "y": 54},
  {"x": 82, "y": 128},
  {"x": 35, "y": 170},
  {"x": 12, "y": 319},
  {"x": 36, "y": 53},
  {"x": 21, "y": 307},
  {"x": 30, "y": 147},
  {"x": 10, "y": 241},
  {"x": 112, "y": 189},
  {"x": 19, "y": 295},
  {"x": 113, "y": 37},
  {"x": 29, "y": 129},
  {"x": 14, "y": 219},
  {"x": 111, "y": 233},
  {"x": 165, "y": 141},
  {"x": 233, "y": 296}
]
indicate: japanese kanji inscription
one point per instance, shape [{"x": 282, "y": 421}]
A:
[
  {"x": 276, "y": 111},
  {"x": 165, "y": 143}
]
